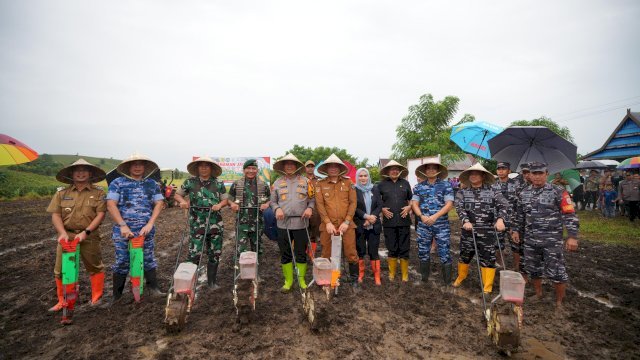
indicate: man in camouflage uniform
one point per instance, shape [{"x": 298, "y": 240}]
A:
[
  {"x": 509, "y": 189},
  {"x": 249, "y": 196},
  {"x": 207, "y": 196},
  {"x": 543, "y": 209},
  {"x": 76, "y": 212},
  {"x": 134, "y": 203},
  {"x": 480, "y": 209},
  {"x": 292, "y": 202},
  {"x": 432, "y": 199}
]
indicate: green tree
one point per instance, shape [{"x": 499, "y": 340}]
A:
[
  {"x": 321, "y": 153},
  {"x": 563, "y": 131},
  {"x": 425, "y": 130}
]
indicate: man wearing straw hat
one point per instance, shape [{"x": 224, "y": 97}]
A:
[
  {"x": 314, "y": 221},
  {"x": 336, "y": 203},
  {"x": 396, "y": 223},
  {"x": 250, "y": 196},
  {"x": 134, "y": 203},
  {"x": 205, "y": 192},
  {"x": 480, "y": 209},
  {"x": 431, "y": 202},
  {"x": 76, "y": 212},
  {"x": 292, "y": 202}
]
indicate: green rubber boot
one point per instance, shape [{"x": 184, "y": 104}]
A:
[
  {"x": 302, "y": 270},
  {"x": 287, "y": 272}
]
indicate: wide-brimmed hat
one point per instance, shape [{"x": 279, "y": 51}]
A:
[
  {"x": 149, "y": 166},
  {"x": 385, "y": 169},
  {"x": 309, "y": 162},
  {"x": 192, "y": 167},
  {"x": 66, "y": 174},
  {"x": 333, "y": 159},
  {"x": 487, "y": 177},
  {"x": 279, "y": 165},
  {"x": 442, "y": 170}
]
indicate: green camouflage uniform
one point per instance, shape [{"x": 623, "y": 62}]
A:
[
  {"x": 249, "y": 194},
  {"x": 204, "y": 194}
]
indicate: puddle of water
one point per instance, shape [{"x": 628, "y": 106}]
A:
[
  {"x": 27, "y": 246},
  {"x": 383, "y": 253},
  {"x": 599, "y": 299}
]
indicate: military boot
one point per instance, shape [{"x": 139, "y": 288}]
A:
[
  {"x": 353, "y": 273},
  {"x": 446, "y": 274},
  {"x": 212, "y": 272},
  {"x": 118, "y": 286},
  {"x": 152, "y": 284},
  {"x": 425, "y": 269}
]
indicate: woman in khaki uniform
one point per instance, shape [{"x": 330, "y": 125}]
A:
[{"x": 76, "y": 212}]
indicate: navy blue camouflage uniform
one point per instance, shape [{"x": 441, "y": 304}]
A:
[
  {"x": 431, "y": 198},
  {"x": 509, "y": 191}
]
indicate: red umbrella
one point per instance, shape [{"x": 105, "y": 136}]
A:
[{"x": 13, "y": 152}]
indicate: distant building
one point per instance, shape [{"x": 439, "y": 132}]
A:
[{"x": 623, "y": 143}]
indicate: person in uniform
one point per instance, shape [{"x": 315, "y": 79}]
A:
[
  {"x": 207, "y": 196},
  {"x": 76, "y": 212},
  {"x": 368, "y": 224},
  {"x": 396, "y": 223},
  {"x": 336, "y": 203},
  {"x": 509, "y": 190},
  {"x": 292, "y": 201},
  {"x": 543, "y": 209},
  {"x": 314, "y": 221},
  {"x": 134, "y": 203},
  {"x": 482, "y": 210},
  {"x": 629, "y": 195},
  {"x": 432, "y": 199},
  {"x": 249, "y": 197}
]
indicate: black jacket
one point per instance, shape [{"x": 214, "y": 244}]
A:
[
  {"x": 395, "y": 196},
  {"x": 376, "y": 208}
]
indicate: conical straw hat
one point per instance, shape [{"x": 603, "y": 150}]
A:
[
  {"x": 149, "y": 166},
  {"x": 66, "y": 174},
  {"x": 487, "y": 177},
  {"x": 192, "y": 167},
  {"x": 385, "y": 170},
  {"x": 333, "y": 159},
  {"x": 279, "y": 165},
  {"x": 442, "y": 170}
]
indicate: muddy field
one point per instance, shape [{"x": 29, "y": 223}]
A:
[{"x": 601, "y": 318}]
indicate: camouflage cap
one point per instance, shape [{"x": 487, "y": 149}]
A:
[
  {"x": 503, "y": 164},
  {"x": 524, "y": 166},
  {"x": 537, "y": 167}
]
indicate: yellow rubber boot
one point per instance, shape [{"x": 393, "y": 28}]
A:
[
  {"x": 463, "y": 272},
  {"x": 393, "y": 265},
  {"x": 488, "y": 274},
  {"x": 404, "y": 269}
]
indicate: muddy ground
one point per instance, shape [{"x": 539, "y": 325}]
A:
[{"x": 601, "y": 319}]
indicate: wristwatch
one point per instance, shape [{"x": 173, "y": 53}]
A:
[
  {"x": 122, "y": 224},
  {"x": 87, "y": 231}
]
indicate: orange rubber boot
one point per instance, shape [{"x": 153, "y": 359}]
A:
[
  {"x": 375, "y": 266},
  {"x": 97, "y": 287},
  {"x": 360, "y": 270},
  {"x": 58, "y": 306}
]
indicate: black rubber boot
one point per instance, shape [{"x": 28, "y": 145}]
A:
[
  {"x": 212, "y": 271},
  {"x": 118, "y": 286},
  {"x": 152, "y": 284},
  {"x": 353, "y": 274},
  {"x": 425, "y": 270},
  {"x": 446, "y": 274}
]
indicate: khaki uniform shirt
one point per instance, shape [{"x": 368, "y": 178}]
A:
[
  {"x": 336, "y": 201},
  {"x": 78, "y": 208}
]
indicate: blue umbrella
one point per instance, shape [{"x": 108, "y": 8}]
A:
[{"x": 473, "y": 137}]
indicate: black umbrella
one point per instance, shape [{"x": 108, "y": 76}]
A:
[
  {"x": 114, "y": 174},
  {"x": 591, "y": 164},
  {"x": 522, "y": 144}
]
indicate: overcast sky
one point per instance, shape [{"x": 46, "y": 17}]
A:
[{"x": 172, "y": 79}]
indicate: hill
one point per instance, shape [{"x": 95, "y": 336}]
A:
[
  {"x": 20, "y": 184},
  {"x": 103, "y": 163}
]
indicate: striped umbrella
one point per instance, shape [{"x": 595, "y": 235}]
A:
[
  {"x": 13, "y": 152},
  {"x": 630, "y": 163}
]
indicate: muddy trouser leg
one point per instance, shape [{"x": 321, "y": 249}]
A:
[
  {"x": 300, "y": 240},
  {"x": 554, "y": 264},
  {"x": 373, "y": 242},
  {"x": 424, "y": 239},
  {"x": 391, "y": 241},
  {"x": 467, "y": 250},
  {"x": 533, "y": 257},
  {"x": 486, "y": 248},
  {"x": 361, "y": 242},
  {"x": 442, "y": 232},
  {"x": 150, "y": 262},
  {"x": 404, "y": 242}
]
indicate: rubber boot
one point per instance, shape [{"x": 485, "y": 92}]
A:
[
  {"x": 287, "y": 272},
  {"x": 58, "y": 306},
  {"x": 97, "y": 288},
  {"x": 463, "y": 272},
  {"x": 118, "y": 286},
  {"x": 152, "y": 284},
  {"x": 393, "y": 265},
  {"x": 353, "y": 273},
  {"x": 404, "y": 269},
  {"x": 425, "y": 269},
  {"x": 360, "y": 270},
  {"x": 212, "y": 272},
  {"x": 488, "y": 274},
  {"x": 446, "y": 274},
  {"x": 302, "y": 271},
  {"x": 72, "y": 297},
  {"x": 375, "y": 267}
]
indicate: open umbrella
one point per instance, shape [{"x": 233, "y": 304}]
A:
[
  {"x": 571, "y": 176},
  {"x": 591, "y": 165},
  {"x": 13, "y": 152},
  {"x": 630, "y": 163},
  {"x": 521, "y": 144},
  {"x": 473, "y": 137}
]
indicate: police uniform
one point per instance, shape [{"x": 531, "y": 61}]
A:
[{"x": 542, "y": 212}]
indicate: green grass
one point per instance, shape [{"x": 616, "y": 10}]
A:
[
  {"x": 18, "y": 184},
  {"x": 618, "y": 230}
]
